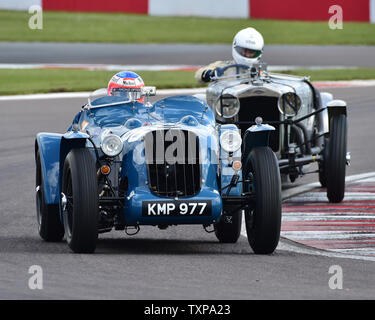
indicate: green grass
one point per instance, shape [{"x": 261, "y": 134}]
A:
[
  {"x": 49, "y": 80},
  {"x": 115, "y": 27},
  {"x": 335, "y": 74}
]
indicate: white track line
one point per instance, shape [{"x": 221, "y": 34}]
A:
[
  {"x": 101, "y": 67},
  {"x": 46, "y": 96},
  {"x": 85, "y": 95},
  {"x": 67, "y": 95},
  {"x": 326, "y": 235},
  {"x": 311, "y": 251},
  {"x": 144, "y": 67}
]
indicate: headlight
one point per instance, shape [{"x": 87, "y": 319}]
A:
[
  {"x": 229, "y": 105},
  {"x": 230, "y": 141},
  {"x": 112, "y": 145},
  {"x": 289, "y": 104}
]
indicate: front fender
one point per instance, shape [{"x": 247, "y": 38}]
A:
[
  {"x": 336, "y": 107},
  {"x": 323, "y": 119},
  {"x": 331, "y": 107},
  {"x": 53, "y": 149},
  {"x": 256, "y": 136}
]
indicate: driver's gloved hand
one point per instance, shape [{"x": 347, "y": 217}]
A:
[{"x": 207, "y": 75}]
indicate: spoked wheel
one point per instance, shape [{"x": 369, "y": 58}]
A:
[
  {"x": 263, "y": 223},
  {"x": 228, "y": 229},
  {"x": 50, "y": 227},
  {"x": 79, "y": 201},
  {"x": 335, "y": 160}
]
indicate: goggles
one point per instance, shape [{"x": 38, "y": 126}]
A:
[{"x": 248, "y": 53}]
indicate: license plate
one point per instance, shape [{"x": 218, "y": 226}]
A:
[{"x": 176, "y": 208}]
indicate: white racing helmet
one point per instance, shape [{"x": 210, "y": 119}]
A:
[{"x": 247, "y": 46}]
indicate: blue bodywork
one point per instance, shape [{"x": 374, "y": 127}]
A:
[{"x": 131, "y": 121}]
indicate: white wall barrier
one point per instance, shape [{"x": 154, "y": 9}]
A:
[
  {"x": 208, "y": 8},
  {"x": 18, "y": 4},
  {"x": 205, "y": 8}
]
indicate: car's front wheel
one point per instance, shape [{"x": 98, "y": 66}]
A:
[
  {"x": 335, "y": 161},
  {"x": 228, "y": 229},
  {"x": 263, "y": 222},
  {"x": 80, "y": 201}
]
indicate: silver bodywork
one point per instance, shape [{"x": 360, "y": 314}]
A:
[
  {"x": 272, "y": 85},
  {"x": 300, "y": 137}
]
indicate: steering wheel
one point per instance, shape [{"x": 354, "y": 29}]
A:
[{"x": 237, "y": 66}]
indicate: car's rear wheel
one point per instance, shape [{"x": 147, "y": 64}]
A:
[
  {"x": 50, "y": 227},
  {"x": 335, "y": 162},
  {"x": 228, "y": 229},
  {"x": 80, "y": 201},
  {"x": 263, "y": 222}
]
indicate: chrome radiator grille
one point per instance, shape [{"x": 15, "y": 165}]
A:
[
  {"x": 172, "y": 159},
  {"x": 265, "y": 107}
]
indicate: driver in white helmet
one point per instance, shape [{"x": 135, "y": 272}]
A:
[{"x": 247, "y": 48}]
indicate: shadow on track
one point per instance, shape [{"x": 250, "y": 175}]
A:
[
  {"x": 141, "y": 246},
  {"x": 169, "y": 246}
]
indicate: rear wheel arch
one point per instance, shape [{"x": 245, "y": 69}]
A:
[{"x": 50, "y": 227}]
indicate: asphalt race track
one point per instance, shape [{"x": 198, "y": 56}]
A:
[
  {"x": 177, "y": 263},
  {"x": 185, "y": 54}
]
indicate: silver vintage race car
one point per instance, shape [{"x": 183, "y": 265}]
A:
[{"x": 310, "y": 126}]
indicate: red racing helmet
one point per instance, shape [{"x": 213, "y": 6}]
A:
[{"x": 126, "y": 84}]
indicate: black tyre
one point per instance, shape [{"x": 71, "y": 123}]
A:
[
  {"x": 228, "y": 229},
  {"x": 322, "y": 169},
  {"x": 264, "y": 222},
  {"x": 335, "y": 162},
  {"x": 80, "y": 187},
  {"x": 322, "y": 177},
  {"x": 50, "y": 227}
]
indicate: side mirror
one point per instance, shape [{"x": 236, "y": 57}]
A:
[{"x": 148, "y": 91}]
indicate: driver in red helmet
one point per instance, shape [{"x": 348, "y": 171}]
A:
[{"x": 126, "y": 84}]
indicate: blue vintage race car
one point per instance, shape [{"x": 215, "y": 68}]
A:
[{"x": 122, "y": 164}]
